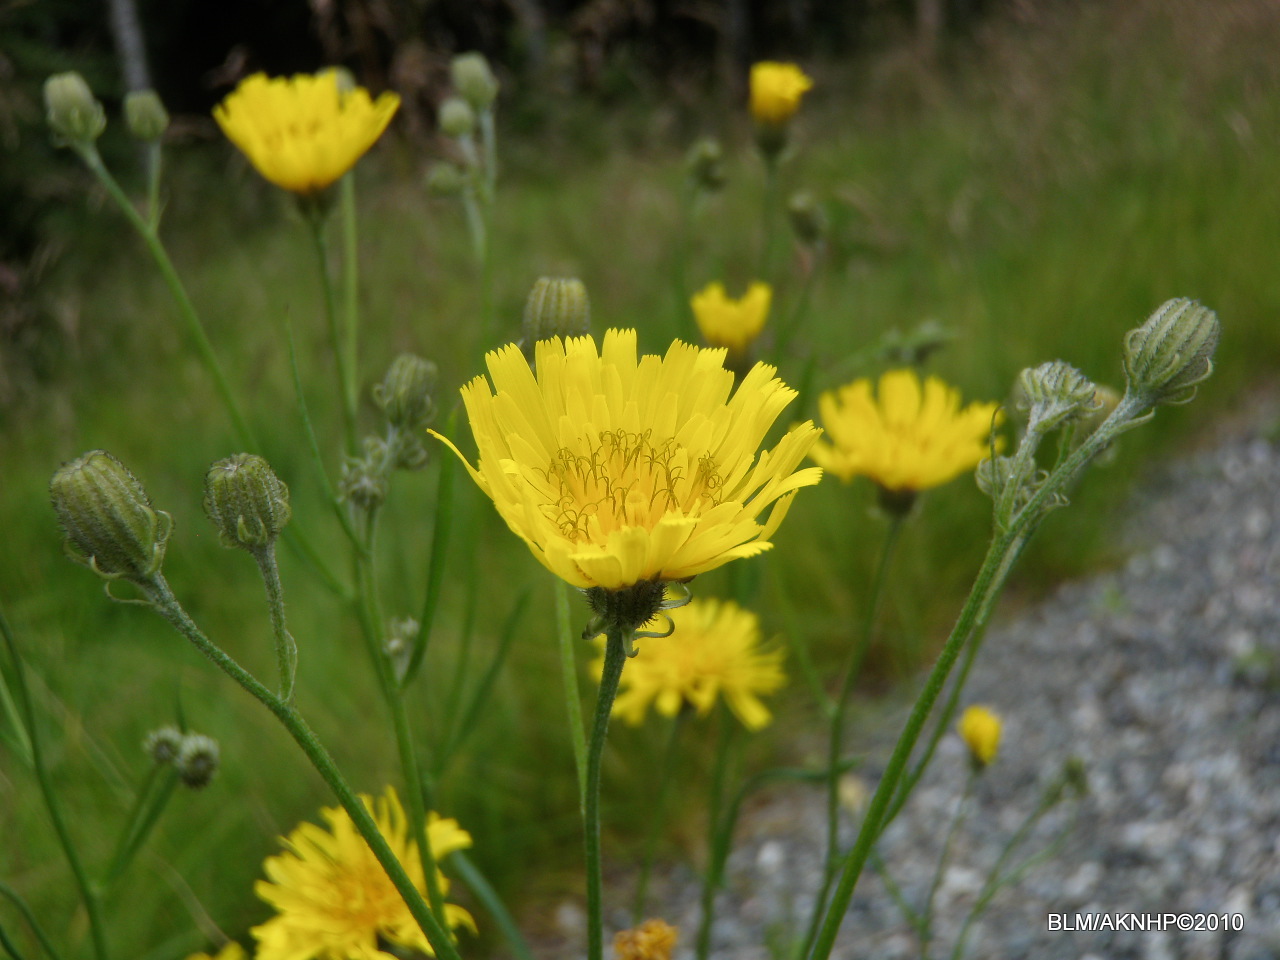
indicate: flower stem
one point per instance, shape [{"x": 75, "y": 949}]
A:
[
  {"x": 656, "y": 815},
  {"x": 350, "y": 289},
  {"x": 166, "y": 604},
  {"x": 769, "y": 217},
  {"x": 286, "y": 649},
  {"x": 89, "y": 892},
  {"x": 572, "y": 699},
  {"x": 615, "y": 657},
  {"x": 720, "y": 831},
  {"x": 962, "y": 806},
  {"x": 346, "y": 376},
  {"x": 21, "y": 906}
]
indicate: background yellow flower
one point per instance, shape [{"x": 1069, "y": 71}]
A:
[
  {"x": 715, "y": 651},
  {"x": 652, "y": 940},
  {"x": 730, "y": 323},
  {"x": 232, "y": 951},
  {"x": 776, "y": 89},
  {"x": 980, "y": 729},
  {"x": 615, "y": 469},
  {"x": 333, "y": 898},
  {"x": 302, "y": 133},
  {"x": 911, "y": 438}
]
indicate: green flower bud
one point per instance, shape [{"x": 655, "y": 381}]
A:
[
  {"x": 346, "y": 79},
  {"x": 1168, "y": 355},
  {"x": 705, "y": 165},
  {"x": 556, "y": 307},
  {"x": 1053, "y": 394},
  {"x": 108, "y": 519},
  {"x": 145, "y": 115},
  {"x": 364, "y": 481},
  {"x": 474, "y": 81},
  {"x": 446, "y": 179},
  {"x": 163, "y": 745},
  {"x": 404, "y": 395},
  {"x": 197, "y": 760},
  {"x": 456, "y": 118},
  {"x": 73, "y": 113},
  {"x": 808, "y": 219},
  {"x": 246, "y": 501}
]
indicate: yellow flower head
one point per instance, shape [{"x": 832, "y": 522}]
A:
[
  {"x": 332, "y": 897},
  {"x": 980, "y": 730},
  {"x": 714, "y": 651},
  {"x": 232, "y": 951},
  {"x": 776, "y": 89},
  {"x": 652, "y": 940},
  {"x": 910, "y": 439},
  {"x": 616, "y": 470},
  {"x": 302, "y": 133},
  {"x": 730, "y": 323}
]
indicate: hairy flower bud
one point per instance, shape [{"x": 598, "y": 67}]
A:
[
  {"x": 145, "y": 115},
  {"x": 404, "y": 395},
  {"x": 197, "y": 760},
  {"x": 73, "y": 113},
  {"x": 474, "y": 81},
  {"x": 1168, "y": 355},
  {"x": 246, "y": 501},
  {"x": 808, "y": 219},
  {"x": 556, "y": 307},
  {"x": 456, "y": 118},
  {"x": 445, "y": 179},
  {"x": 163, "y": 745},
  {"x": 1053, "y": 394},
  {"x": 108, "y": 519},
  {"x": 364, "y": 479},
  {"x": 705, "y": 165}
]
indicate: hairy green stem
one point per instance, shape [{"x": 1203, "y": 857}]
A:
[
  {"x": 615, "y": 657},
  {"x": 286, "y": 648},
  {"x": 166, "y": 604},
  {"x": 572, "y": 698},
  {"x": 90, "y": 895}
]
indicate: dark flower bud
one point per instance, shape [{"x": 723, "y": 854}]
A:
[
  {"x": 163, "y": 745},
  {"x": 197, "y": 760}
]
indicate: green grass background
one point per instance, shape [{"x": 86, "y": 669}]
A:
[{"x": 1038, "y": 197}]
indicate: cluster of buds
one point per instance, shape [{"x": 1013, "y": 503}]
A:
[
  {"x": 194, "y": 756},
  {"x": 704, "y": 166},
  {"x": 555, "y": 307},
  {"x": 77, "y": 118},
  {"x": 460, "y": 116}
]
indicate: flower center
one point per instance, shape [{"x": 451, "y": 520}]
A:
[{"x": 626, "y": 479}]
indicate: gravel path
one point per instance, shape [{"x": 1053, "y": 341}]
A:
[{"x": 1164, "y": 678}]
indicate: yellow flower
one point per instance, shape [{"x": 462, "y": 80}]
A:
[
  {"x": 980, "y": 730},
  {"x": 776, "y": 89},
  {"x": 616, "y": 471},
  {"x": 714, "y": 651},
  {"x": 332, "y": 897},
  {"x": 910, "y": 439},
  {"x": 232, "y": 951},
  {"x": 730, "y": 323},
  {"x": 302, "y": 133},
  {"x": 652, "y": 940}
]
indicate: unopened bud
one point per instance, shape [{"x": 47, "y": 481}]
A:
[
  {"x": 197, "y": 760},
  {"x": 108, "y": 519},
  {"x": 705, "y": 165},
  {"x": 364, "y": 480},
  {"x": 345, "y": 79},
  {"x": 474, "y": 81},
  {"x": 246, "y": 501},
  {"x": 404, "y": 395},
  {"x": 808, "y": 219},
  {"x": 163, "y": 745},
  {"x": 145, "y": 115},
  {"x": 556, "y": 307},
  {"x": 456, "y": 118},
  {"x": 980, "y": 730},
  {"x": 1053, "y": 394},
  {"x": 445, "y": 179},
  {"x": 1168, "y": 355},
  {"x": 73, "y": 113}
]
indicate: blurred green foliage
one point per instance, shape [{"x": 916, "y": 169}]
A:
[{"x": 1038, "y": 203}]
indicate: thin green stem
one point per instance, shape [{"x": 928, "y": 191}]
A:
[
  {"x": 195, "y": 329},
  {"x": 857, "y": 653},
  {"x": 286, "y": 649},
  {"x": 799, "y": 313},
  {"x": 155, "y": 161},
  {"x": 152, "y": 800},
  {"x": 572, "y": 697},
  {"x": 350, "y": 288},
  {"x": 89, "y": 893},
  {"x": 962, "y": 805},
  {"x": 769, "y": 217},
  {"x": 22, "y": 907},
  {"x": 475, "y": 881},
  {"x": 615, "y": 657},
  {"x": 166, "y": 604},
  {"x": 656, "y": 814},
  {"x": 720, "y": 831},
  {"x": 894, "y": 891},
  {"x": 440, "y": 530},
  {"x": 9, "y": 946},
  {"x": 346, "y": 376}
]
